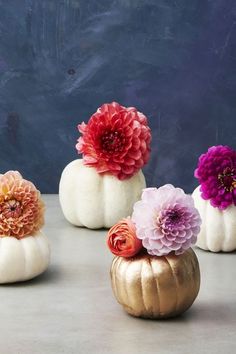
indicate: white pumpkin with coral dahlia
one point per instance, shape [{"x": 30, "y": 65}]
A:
[
  {"x": 101, "y": 189},
  {"x": 95, "y": 201}
]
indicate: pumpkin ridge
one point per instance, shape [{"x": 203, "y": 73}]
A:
[
  {"x": 196, "y": 268},
  {"x": 38, "y": 244},
  {"x": 141, "y": 280},
  {"x": 190, "y": 254},
  {"x": 112, "y": 272},
  {"x": 37, "y": 240},
  {"x": 102, "y": 194},
  {"x": 176, "y": 284},
  {"x": 205, "y": 235},
  {"x": 123, "y": 273},
  {"x": 24, "y": 256},
  {"x": 198, "y": 202},
  {"x": 156, "y": 287},
  {"x": 114, "y": 261},
  {"x": 125, "y": 284},
  {"x": 215, "y": 242},
  {"x": 226, "y": 240},
  {"x": 117, "y": 260},
  {"x": 128, "y": 303}
]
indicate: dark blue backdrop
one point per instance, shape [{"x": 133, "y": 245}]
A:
[{"x": 61, "y": 59}]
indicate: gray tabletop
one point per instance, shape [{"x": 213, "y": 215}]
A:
[{"x": 71, "y": 308}]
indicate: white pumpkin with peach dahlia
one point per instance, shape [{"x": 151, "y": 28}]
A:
[{"x": 24, "y": 249}]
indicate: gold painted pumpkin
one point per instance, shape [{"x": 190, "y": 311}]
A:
[{"x": 156, "y": 287}]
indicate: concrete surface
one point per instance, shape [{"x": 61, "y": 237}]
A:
[{"x": 71, "y": 308}]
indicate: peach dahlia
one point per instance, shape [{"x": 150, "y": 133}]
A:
[{"x": 21, "y": 207}]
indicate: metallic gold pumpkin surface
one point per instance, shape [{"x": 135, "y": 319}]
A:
[{"x": 156, "y": 287}]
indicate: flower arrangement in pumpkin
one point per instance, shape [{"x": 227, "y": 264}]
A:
[
  {"x": 21, "y": 207},
  {"x": 116, "y": 140},
  {"x": 164, "y": 221},
  {"x": 216, "y": 173},
  {"x": 155, "y": 273},
  {"x": 215, "y": 198}
]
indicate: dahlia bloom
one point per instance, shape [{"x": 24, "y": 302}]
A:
[
  {"x": 115, "y": 140},
  {"x": 166, "y": 220},
  {"x": 216, "y": 172},
  {"x": 122, "y": 239},
  {"x": 21, "y": 208}
]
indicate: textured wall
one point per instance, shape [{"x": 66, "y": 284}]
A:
[{"x": 61, "y": 59}]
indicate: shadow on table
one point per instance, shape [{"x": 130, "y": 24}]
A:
[
  {"x": 204, "y": 312},
  {"x": 52, "y": 274},
  {"x": 186, "y": 316},
  {"x": 213, "y": 311}
]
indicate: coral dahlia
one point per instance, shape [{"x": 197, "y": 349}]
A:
[
  {"x": 116, "y": 140},
  {"x": 21, "y": 208},
  {"x": 216, "y": 173}
]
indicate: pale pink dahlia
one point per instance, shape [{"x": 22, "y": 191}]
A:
[
  {"x": 166, "y": 220},
  {"x": 116, "y": 140},
  {"x": 216, "y": 172},
  {"x": 21, "y": 207}
]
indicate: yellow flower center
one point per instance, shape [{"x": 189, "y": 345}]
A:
[{"x": 227, "y": 179}]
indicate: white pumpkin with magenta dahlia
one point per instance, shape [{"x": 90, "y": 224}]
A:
[{"x": 215, "y": 199}]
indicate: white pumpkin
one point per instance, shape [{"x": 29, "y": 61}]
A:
[
  {"x": 93, "y": 200},
  {"x": 218, "y": 230},
  {"x": 23, "y": 259}
]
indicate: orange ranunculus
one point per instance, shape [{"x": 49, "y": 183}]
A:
[{"x": 122, "y": 240}]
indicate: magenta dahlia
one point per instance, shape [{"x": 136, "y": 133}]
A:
[
  {"x": 166, "y": 220},
  {"x": 116, "y": 140},
  {"x": 216, "y": 172}
]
